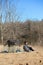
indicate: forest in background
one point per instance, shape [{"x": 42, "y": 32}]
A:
[
  {"x": 13, "y": 28},
  {"x": 31, "y": 31}
]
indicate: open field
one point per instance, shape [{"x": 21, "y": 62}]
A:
[{"x": 22, "y": 58}]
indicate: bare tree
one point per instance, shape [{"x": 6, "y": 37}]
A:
[{"x": 1, "y": 29}]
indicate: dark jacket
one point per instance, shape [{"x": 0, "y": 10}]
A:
[{"x": 27, "y": 48}]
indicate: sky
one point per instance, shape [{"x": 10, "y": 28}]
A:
[{"x": 29, "y": 9}]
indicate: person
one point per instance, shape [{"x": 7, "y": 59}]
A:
[{"x": 26, "y": 47}]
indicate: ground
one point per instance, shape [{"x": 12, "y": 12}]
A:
[{"x": 22, "y": 58}]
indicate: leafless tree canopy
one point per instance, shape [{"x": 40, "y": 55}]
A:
[
  {"x": 32, "y": 31},
  {"x": 29, "y": 30}
]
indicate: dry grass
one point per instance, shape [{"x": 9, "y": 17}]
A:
[{"x": 22, "y": 58}]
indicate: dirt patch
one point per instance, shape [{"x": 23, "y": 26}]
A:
[{"x": 23, "y": 58}]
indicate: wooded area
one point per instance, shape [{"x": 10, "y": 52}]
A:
[
  {"x": 12, "y": 28},
  {"x": 29, "y": 30}
]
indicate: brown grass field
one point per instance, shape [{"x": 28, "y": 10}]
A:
[{"x": 22, "y": 58}]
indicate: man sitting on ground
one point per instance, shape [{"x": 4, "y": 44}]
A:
[{"x": 26, "y": 47}]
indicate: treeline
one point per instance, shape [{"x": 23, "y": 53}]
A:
[{"x": 31, "y": 31}]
